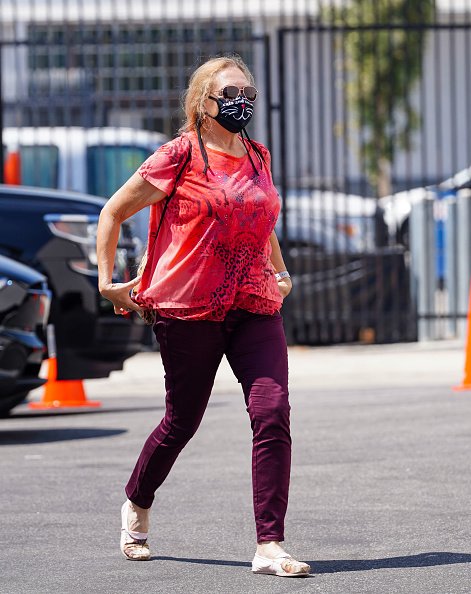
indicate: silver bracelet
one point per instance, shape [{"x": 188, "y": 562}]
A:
[{"x": 282, "y": 274}]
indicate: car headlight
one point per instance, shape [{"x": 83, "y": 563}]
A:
[
  {"x": 82, "y": 230},
  {"x": 5, "y": 282}
]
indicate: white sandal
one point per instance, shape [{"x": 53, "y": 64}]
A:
[
  {"x": 133, "y": 544},
  {"x": 282, "y": 566}
]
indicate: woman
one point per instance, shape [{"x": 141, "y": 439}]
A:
[{"x": 214, "y": 282}]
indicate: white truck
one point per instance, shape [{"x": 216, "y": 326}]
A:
[{"x": 89, "y": 160}]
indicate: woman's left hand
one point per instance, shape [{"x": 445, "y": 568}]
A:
[{"x": 284, "y": 286}]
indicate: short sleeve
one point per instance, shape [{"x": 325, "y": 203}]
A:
[{"x": 162, "y": 167}]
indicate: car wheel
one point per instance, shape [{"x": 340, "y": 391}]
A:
[{"x": 6, "y": 404}]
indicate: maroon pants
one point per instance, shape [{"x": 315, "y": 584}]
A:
[{"x": 191, "y": 351}]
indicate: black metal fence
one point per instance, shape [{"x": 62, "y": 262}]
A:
[{"x": 364, "y": 105}]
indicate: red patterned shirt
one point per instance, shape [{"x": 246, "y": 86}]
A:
[{"x": 212, "y": 253}]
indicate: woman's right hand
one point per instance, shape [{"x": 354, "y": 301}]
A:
[
  {"x": 135, "y": 194},
  {"x": 118, "y": 294}
]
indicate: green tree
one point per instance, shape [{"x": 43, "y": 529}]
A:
[{"x": 384, "y": 47}]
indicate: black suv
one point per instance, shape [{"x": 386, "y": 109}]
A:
[
  {"x": 24, "y": 309},
  {"x": 54, "y": 232}
]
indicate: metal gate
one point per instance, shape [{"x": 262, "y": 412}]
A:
[
  {"x": 376, "y": 235},
  {"x": 364, "y": 105}
]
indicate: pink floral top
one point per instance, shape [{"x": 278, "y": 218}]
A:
[{"x": 212, "y": 253}]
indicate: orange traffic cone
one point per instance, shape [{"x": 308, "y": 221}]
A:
[
  {"x": 466, "y": 385},
  {"x": 12, "y": 169},
  {"x": 60, "y": 393}
]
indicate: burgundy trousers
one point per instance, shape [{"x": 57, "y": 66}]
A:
[{"x": 191, "y": 352}]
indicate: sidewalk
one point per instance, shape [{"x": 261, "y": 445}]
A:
[{"x": 335, "y": 367}]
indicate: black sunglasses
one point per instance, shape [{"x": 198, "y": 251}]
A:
[{"x": 232, "y": 92}]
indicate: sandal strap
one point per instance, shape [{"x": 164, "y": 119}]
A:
[
  {"x": 132, "y": 546},
  {"x": 292, "y": 563},
  {"x": 139, "y": 543}
]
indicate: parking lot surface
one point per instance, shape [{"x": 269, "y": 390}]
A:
[{"x": 380, "y": 482}]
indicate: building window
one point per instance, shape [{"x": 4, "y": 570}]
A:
[{"x": 126, "y": 63}]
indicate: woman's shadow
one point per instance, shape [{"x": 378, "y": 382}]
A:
[
  {"x": 337, "y": 566},
  {"x": 420, "y": 560}
]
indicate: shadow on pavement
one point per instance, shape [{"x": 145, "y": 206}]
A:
[
  {"x": 62, "y": 412},
  {"x": 336, "y": 566},
  {"x": 203, "y": 561},
  {"x": 26, "y": 436},
  {"x": 420, "y": 560}
]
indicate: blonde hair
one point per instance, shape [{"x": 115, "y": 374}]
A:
[{"x": 199, "y": 87}]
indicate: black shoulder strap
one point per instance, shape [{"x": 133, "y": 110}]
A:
[
  {"x": 255, "y": 148},
  {"x": 169, "y": 197}
]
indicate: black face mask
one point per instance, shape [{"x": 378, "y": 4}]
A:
[{"x": 234, "y": 114}]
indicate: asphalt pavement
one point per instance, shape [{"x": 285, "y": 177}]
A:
[{"x": 379, "y": 500}]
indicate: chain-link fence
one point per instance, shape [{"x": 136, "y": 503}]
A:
[{"x": 364, "y": 105}]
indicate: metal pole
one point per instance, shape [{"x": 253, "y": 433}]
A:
[
  {"x": 288, "y": 308},
  {"x": 268, "y": 94}
]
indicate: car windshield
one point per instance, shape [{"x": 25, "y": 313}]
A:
[{"x": 108, "y": 167}]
